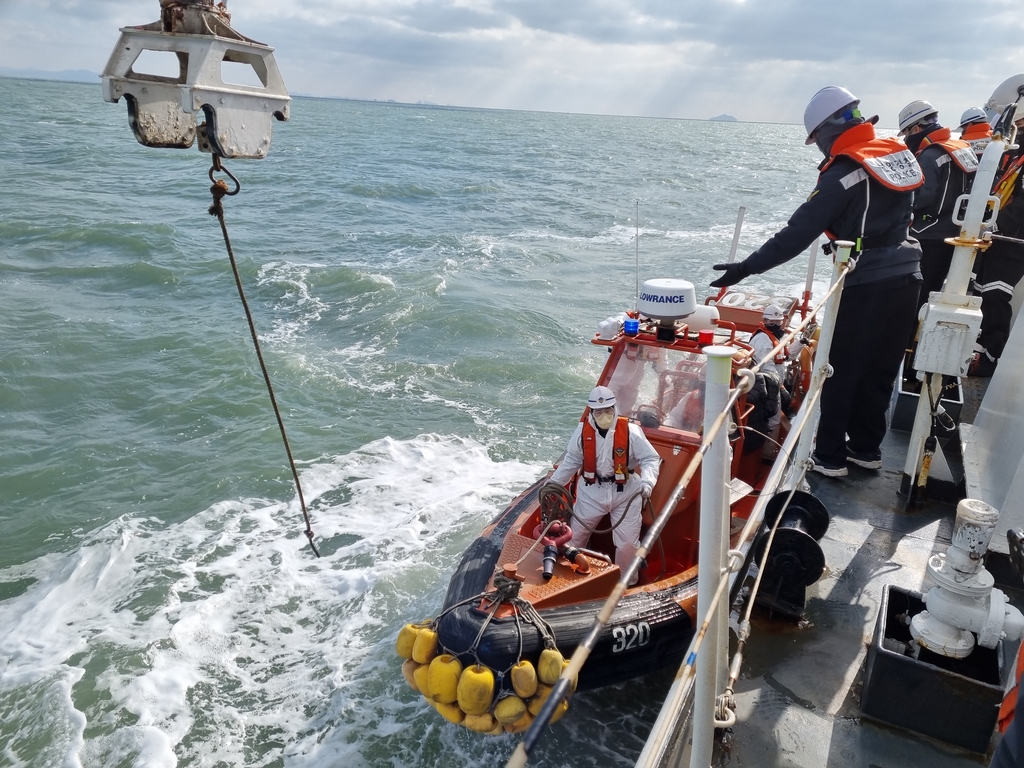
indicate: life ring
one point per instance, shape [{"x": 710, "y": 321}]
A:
[
  {"x": 803, "y": 371},
  {"x": 807, "y": 366}
]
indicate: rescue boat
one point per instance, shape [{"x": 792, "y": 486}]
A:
[{"x": 516, "y": 605}]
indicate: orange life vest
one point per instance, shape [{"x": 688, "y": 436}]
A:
[
  {"x": 1007, "y": 183},
  {"x": 959, "y": 151},
  {"x": 978, "y": 135},
  {"x": 1009, "y": 705},
  {"x": 783, "y": 356},
  {"x": 887, "y": 161},
  {"x": 692, "y": 417},
  {"x": 620, "y": 451}
]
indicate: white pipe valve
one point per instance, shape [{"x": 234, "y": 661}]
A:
[{"x": 963, "y": 601}]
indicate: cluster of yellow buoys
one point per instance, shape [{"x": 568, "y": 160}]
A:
[{"x": 467, "y": 696}]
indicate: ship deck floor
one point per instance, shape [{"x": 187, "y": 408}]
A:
[{"x": 798, "y": 698}]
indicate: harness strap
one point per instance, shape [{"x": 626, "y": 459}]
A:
[{"x": 896, "y": 237}]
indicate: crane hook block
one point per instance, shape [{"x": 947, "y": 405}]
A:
[{"x": 162, "y": 109}]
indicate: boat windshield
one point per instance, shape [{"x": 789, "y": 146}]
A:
[{"x": 659, "y": 387}]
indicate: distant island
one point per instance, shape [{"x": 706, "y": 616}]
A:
[{"x": 724, "y": 119}]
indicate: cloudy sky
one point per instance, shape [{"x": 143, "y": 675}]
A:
[{"x": 759, "y": 60}]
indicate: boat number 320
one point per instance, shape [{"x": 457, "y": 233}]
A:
[{"x": 631, "y": 636}]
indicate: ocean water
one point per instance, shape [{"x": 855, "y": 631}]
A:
[{"x": 425, "y": 282}]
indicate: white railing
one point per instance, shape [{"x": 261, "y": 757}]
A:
[{"x": 793, "y": 462}]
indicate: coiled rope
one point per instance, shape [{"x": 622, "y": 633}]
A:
[{"x": 219, "y": 190}]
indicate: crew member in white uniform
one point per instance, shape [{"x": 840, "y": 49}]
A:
[
  {"x": 608, "y": 447},
  {"x": 763, "y": 341}
]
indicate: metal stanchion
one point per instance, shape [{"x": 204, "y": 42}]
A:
[{"x": 714, "y": 529}]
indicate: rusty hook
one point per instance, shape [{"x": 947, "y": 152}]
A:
[{"x": 218, "y": 168}]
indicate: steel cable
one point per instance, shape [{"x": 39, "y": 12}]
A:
[{"x": 219, "y": 190}]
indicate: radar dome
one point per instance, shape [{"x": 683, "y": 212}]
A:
[{"x": 667, "y": 299}]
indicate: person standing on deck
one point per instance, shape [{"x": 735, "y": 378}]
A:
[
  {"x": 975, "y": 130},
  {"x": 998, "y": 270},
  {"x": 607, "y": 447},
  {"x": 948, "y": 166},
  {"x": 864, "y": 193}
]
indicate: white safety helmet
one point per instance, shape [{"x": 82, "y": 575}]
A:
[
  {"x": 1005, "y": 94},
  {"x": 914, "y": 113},
  {"x": 824, "y": 104},
  {"x": 601, "y": 397},
  {"x": 972, "y": 115},
  {"x": 773, "y": 314}
]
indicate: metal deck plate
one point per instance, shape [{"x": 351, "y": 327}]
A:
[{"x": 798, "y": 699}]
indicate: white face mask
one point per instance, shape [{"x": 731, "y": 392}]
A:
[{"x": 604, "y": 417}]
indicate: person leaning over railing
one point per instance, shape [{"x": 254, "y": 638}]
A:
[{"x": 864, "y": 193}]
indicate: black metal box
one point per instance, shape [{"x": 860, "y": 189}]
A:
[
  {"x": 903, "y": 406},
  {"x": 956, "y": 701}
]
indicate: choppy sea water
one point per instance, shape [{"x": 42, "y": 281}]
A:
[{"x": 425, "y": 282}]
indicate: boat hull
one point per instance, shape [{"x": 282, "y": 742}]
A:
[{"x": 648, "y": 630}]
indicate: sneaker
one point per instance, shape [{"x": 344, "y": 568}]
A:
[
  {"x": 866, "y": 459},
  {"x": 828, "y": 468}
]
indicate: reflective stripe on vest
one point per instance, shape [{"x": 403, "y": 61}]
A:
[
  {"x": 960, "y": 151},
  {"x": 888, "y": 161},
  {"x": 620, "y": 451},
  {"x": 1007, "y": 183}
]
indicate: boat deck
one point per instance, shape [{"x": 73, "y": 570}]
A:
[{"x": 798, "y": 699}]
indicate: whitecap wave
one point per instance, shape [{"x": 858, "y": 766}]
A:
[{"x": 222, "y": 640}]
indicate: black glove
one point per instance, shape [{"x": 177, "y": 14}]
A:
[{"x": 733, "y": 274}]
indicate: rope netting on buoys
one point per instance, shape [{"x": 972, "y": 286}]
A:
[{"x": 483, "y": 699}]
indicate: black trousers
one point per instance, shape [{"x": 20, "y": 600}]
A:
[
  {"x": 936, "y": 256},
  {"x": 870, "y": 340},
  {"x": 997, "y": 272}
]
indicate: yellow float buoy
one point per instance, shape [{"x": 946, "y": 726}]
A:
[
  {"x": 450, "y": 712},
  {"x": 509, "y": 709},
  {"x": 425, "y": 647},
  {"x": 560, "y": 710},
  {"x": 409, "y": 668},
  {"x": 419, "y": 676},
  {"x": 476, "y": 689},
  {"x": 550, "y": 665},
  {"x": 480, "y": 723},
  {"x": 543, "y": 691},
  {"x": 524, "y": 679},
  {"x": 443, "y": 678},
  {"x": 520, "y": 725},
  {"x": 406, "y": 640},
  {"x": 572, "y": 680}
]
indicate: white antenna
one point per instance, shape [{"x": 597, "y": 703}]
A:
[
  {"x": 736, "y": 234},
  {"x": 636, "y": 302}
]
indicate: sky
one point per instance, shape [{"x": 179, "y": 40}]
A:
[{"x": 758, "y": 60}]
